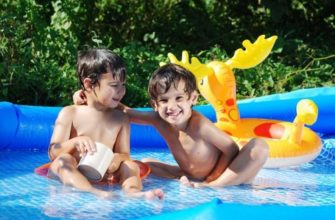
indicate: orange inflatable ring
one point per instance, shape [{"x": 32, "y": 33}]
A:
[
  {"x": 290, "y": 143},
  {"x": 144, "y": 172}
]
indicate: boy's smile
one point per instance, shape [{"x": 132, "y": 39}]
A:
[{"x": 175, "y": 106}]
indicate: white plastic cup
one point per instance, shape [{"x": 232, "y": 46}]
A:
[{"x": 94, "y": 166}]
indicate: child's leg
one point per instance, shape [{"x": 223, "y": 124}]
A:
[
  {"x": 246, "y": 165},
  {"x": 163, "y": 170},
  {"x": 65, "y": 167},
  {"x": 132, "y": 184}
]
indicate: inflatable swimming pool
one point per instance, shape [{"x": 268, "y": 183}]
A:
[{"x": 304, "y": 192}]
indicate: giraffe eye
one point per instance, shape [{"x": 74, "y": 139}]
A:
[{"x": 202, "y": 82}]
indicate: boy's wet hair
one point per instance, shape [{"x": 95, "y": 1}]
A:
[
  {"x": 93, "y": 63},
  {"x": 166, "y": 76}
]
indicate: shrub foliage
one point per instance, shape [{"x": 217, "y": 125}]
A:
[{"x": 39, "y": 41}]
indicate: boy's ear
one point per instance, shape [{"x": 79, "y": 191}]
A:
[
  {"x": 154, "y": 105},
  {"x": 194, "y": 97},
  {"x": 88, "y": 84}
]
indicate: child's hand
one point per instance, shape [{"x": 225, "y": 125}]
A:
[
  {"x": 122, "y": 107},
  {"x": 117, "y": 160},
  {"x": 79, "y": 98},
  {"x": 84, "y": 145}
]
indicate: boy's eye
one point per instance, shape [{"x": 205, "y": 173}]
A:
[
  {"x": 117, "y": 85},
  {"x": 162, "y": 100},
  {"x": 180, "y": 98}
]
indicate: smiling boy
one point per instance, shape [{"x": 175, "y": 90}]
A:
[{"x": 201, "y": 150}]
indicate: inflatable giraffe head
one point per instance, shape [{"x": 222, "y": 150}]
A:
[{"x": 216, "y": 80}]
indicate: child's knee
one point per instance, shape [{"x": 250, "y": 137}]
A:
[
  {"x": 63, "y": 162},
  {"x": 260, "y": 149},
  {"x": 129, "y": 169},
  {"x": 130, "y": 176},
  {"x": 131, "y": 166}
]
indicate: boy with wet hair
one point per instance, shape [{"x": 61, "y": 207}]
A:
[{"x": 102, "y": 77}]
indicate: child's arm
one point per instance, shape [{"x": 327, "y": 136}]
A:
[
  {"x": 60, "y": 141},
  {"x": 229, "y": 149},
  {"x": 210, "y": 133},
  {"x": 140, "y": 117},
  {"x": 122, "y": 147},
  {"x": 136, "y": 116}
]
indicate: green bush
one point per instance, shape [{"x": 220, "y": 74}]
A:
[
  {"x": 39, "y": 41},
  {"x": 37, "y": 55}
]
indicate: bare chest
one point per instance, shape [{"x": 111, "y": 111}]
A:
[
  {"x": 99, "y": 129},
  {"x": 194, "y": 156}
]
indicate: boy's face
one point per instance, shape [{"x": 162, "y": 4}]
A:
[
  {"x": 109, "y": 92},
  {"x": 175, "y": 106}
]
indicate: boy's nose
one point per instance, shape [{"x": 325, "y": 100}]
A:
[{"x": 171, "y": 105}]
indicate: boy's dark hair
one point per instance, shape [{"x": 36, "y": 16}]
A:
[
  {"x": 93, "y": 63},
  {"x": 166, "y": 76}
]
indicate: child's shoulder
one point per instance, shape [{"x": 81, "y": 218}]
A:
[
  {"x": 196, "y": 116},
  {"x": 72, "y": 109},
  {"x": 68, "y": 110},
  {"x": 67, "y": 113},
  {"x": 199, "y": 120},
  {"x": 118, "y": 114}
]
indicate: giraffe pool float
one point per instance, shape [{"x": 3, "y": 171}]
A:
[{"x": 290, "y": 143}]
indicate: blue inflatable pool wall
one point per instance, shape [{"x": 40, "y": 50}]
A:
[{"x": 30, "y": 127}]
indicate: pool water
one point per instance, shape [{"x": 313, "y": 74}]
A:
[{"x": 24, "y": 194}]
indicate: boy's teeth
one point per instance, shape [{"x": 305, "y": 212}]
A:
[{"x": 173, "y": 114}]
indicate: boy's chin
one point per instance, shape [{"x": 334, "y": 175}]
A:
[
  {"x": 175, "y": 122},
  {"x": 170, "y": 121},
  {"x": 113, "y": 105}
]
